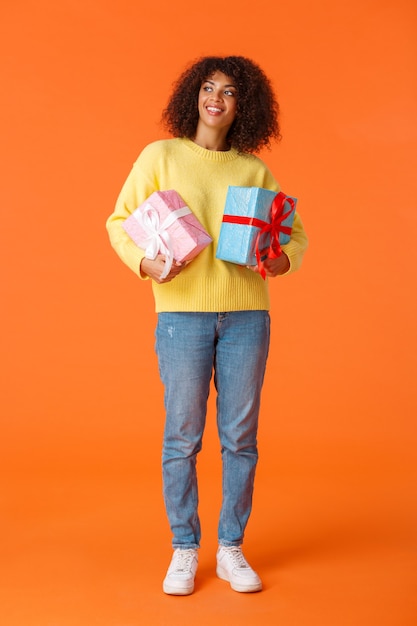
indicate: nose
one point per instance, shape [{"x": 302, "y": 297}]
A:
[{"x": 217, "y": 95}]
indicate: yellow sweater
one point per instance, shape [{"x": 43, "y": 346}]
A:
[{"x": 201, "y": 177}]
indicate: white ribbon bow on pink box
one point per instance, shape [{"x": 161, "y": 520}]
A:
[
  {"x": 164, "y": 224},
  {"x": 160, "y": 241}
]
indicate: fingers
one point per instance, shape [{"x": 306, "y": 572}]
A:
[
  {"x": 176, "y": 269},
  {"x": 270, "y": 272}
]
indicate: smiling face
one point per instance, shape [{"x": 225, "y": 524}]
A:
[{"x": 217, "y": 101}]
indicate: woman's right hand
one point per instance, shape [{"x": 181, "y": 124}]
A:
[{"x": 154, "y": 268}]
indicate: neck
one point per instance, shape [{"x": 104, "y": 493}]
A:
[{"x": 211, "y": 140}]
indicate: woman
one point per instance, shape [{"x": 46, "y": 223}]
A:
[{"x": 212, "y": 315}]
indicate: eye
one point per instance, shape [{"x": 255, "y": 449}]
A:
[
  {"x": 230, "y": 93},
  {"x": 207, "y": 88}
]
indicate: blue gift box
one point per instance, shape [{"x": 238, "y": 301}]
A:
[{"x": 237, "y": 241}]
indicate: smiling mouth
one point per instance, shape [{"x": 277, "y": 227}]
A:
[{"x": 214, "y": 110}]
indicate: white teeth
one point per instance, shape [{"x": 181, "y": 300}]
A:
[{"x": 214, "y": 109}]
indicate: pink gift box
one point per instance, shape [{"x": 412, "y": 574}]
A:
[{"x": 164, "y": 224}]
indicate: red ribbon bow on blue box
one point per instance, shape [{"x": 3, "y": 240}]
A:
[{"x": 267, "y": 219}]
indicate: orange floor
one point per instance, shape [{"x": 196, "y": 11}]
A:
[{"x": 90, "y": 547}]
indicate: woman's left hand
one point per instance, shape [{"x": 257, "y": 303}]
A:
[{"x": 274, "y": 267}]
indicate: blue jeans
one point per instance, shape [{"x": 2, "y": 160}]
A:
[{"x": 190, "y": 347}]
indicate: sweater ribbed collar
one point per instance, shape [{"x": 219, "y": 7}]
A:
[{"x": 211, "y": 155}]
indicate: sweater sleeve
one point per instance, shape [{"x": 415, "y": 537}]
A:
[
  {"x": 139, "y": 185},
  {"x": 297, "y": 245}
]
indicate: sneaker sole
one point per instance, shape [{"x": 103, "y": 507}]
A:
[
  {"x": 235, "y": 586},
  {"x": 175, "y": 591}
]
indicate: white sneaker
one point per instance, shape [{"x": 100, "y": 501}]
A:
[
  {"x": 233, "y": 567},
  {"x": 179, "y": 580}
]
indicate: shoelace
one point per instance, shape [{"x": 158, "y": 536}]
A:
[
  {"x": 237, "y": 557},
  {"x": 183, "y": 559}
]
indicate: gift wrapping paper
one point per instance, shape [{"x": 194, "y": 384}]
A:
[
  {"x": 252, "y": 206},
  {"x": 164, "y": 224}
]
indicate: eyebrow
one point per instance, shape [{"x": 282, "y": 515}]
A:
[{"x": 212, "y": 83}]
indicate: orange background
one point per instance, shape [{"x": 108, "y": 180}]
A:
[{"x": 333, "y": 532}]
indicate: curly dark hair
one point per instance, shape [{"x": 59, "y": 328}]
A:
[{"x": 256, "y": 121}]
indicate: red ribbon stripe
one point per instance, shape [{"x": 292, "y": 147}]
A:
[{"x": 275, "y": 227}]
